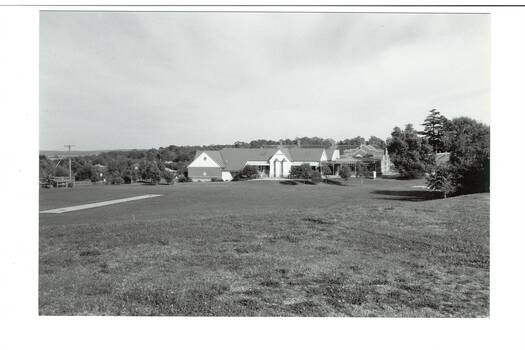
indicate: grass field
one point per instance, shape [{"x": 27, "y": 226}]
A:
[{"x": 264, "y": 248}]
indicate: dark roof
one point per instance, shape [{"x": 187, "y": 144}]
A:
[
  {"x": 306, "y": 154},
  {"x": 214, "y": 155},
  {"x": 236, "y": 158}
]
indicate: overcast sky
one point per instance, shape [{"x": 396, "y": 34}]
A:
[{"x": 140, "y": 80}]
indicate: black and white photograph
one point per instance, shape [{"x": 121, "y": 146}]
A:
[
  {"x": 262, "y": 176},
  {"x": 264, "y": 164}
]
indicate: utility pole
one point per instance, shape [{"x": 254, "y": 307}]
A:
[{"x": 69, "y": 156}]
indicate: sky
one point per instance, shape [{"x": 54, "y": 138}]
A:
[{"x": 122, "y": 80}]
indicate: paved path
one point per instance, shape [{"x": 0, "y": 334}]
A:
[{"x": 98, "y": 204}]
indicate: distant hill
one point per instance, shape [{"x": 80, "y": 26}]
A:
[{"x": 74, "y": 153}]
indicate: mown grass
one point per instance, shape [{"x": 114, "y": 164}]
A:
[{"x": 372, "y": 256}]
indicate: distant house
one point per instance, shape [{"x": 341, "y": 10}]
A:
[
  {"x": 372, "y": 158},
  {"x": 270, "y": 162}
]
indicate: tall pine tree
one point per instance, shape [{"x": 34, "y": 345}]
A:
[{"x": 435, "y": 127}]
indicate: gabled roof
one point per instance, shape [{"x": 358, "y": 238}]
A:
[
  {"x": 306, "y": 154},
  {"x": 214, "y": 155}
]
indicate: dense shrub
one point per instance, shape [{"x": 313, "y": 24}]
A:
[
  {"x": 247, "y": 173},
  {"x": 304, "y": 171},
  {"x": 345, "y": 172},
  {"x": 216, "y": 179},
  {"x": 116, "y": 180},
  {"x": 316, "y": 177},
  {"x": 127, "y": 178},
  {"x": 441, "y": 180},
  {"x": 183, "y": 178},
  {"x": 168, "y": 176}
]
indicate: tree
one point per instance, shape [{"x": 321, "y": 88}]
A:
[
  {"x": 84, "y": 173},
  {"x": 376, "y": 142},
  {"x": 149, "y": 171},
  {"x": 345, "y": 172},
  {"x": 435, "y": 127},
  {"x": 46, "y": 167},
  {"x": 411, "y": 154},
  {"x": 129, "y": 174},
  {"x": 240, "y": 144},
  {"x": 469, "y": 145},
  {"x": 353, "y": 143},
  {"x": 61, "y": 171},
  {"x": 313, "y": 142}
]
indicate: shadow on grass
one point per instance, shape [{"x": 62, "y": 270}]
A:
[
  {"x": 288, "y": 182},
  {"x": 309, "y": 182},
  {"x": 334, "y": 182},
  {"x": 411, "y": 196},
  {"x": 296, "y": 182}
]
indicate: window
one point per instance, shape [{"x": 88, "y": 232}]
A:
[{"x": 205, "y": 158}]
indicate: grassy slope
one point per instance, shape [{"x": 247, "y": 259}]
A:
[{"x": 367, "y": 257}]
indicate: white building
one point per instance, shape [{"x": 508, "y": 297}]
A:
[{"x": 270, "y": 162}]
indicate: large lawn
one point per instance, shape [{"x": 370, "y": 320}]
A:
[{"x": 262, "y": 248}]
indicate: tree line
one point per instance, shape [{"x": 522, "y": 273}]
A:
[
  {"x": 412, "y": 152},
  {"x": 466, "y": 140},
  {"x": 152, "y": 165}
]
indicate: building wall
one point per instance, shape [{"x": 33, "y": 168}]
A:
[
  {"x": 313, "y": 164},
  {"x": 257, "y": 162},
  {"x": 277, "y": 162},
  {"x": 204, "y": 173}
]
